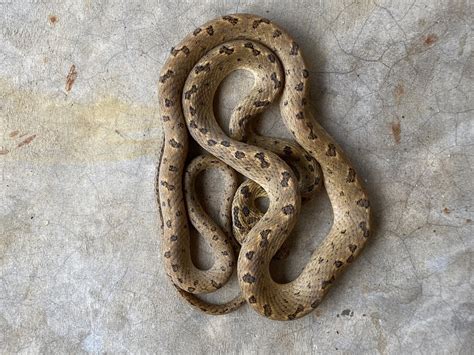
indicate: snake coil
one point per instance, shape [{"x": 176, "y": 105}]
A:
[{"x": 187, "y": 85}]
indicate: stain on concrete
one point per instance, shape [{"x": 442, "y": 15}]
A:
[
  {"x": 71, "y": 78},
  {"x": 396, "y": 131},
  {"x": 430, "y": 39},
  {"x": 76, "y": 131},
  {"x": 52, "y": 19},
  {"x": 398, "y": 92},
  {"x": 26, "y": 141}
]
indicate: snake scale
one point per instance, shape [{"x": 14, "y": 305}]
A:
[{"x": 187, "y": 85}]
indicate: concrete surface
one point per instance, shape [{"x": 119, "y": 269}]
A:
[{"x": 80, "y": 265}]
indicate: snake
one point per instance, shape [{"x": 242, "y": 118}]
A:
[{"x": 187, "y": 86}]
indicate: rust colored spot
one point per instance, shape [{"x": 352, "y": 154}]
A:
[
  {"x": 446, "y": 210},
  {"x": 396, "y": 130},
  {"x": 71, "y": 78},
  {"x": 398, "y": 92},
  {"x": 26, "y": 141},
  {"x": 53, "y": 19},
  {"x": 14, "y": 133},
  {"x": 430, "y": 39}
]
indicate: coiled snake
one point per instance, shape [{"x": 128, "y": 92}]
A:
[{"x": 188, "y": 82}]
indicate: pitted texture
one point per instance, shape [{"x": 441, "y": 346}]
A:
[{"x": 188, "y": 83}]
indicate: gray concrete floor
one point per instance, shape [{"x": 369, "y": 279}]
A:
[{"x": 80, "y": 264}]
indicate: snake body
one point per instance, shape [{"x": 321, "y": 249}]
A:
[{"x": 187, "y": 85}]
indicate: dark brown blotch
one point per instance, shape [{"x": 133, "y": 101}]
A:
[
  {"x": 257, "y": 23},
  {"x": 185, "y": 50},
  {"x": 285, "y": 178},
  {"x": 226, "y": 50},
  {"x": 197, "y": 31},
  {"x": 300, "y": 115},
  {"x": 327, "y": 283},
  {"x": 352, "y": 247},
  {"x": 299, "y": 309},
  {"x": 202, "y": 68},
  {"x": 215, "y": 284},
  {"x": 331, "y": 151},
  {"x": 276, "y": 81},
  {"x": 363, "y": 227},
  {"x": 288, "y": 209},
  {"x": 168, "y": 103},
  {"x": 250, "y": 45},
  {"x": 188, "y": 94},
  {"x": 351, "y": 175},
  {"x": 250, "y": 255},
  {"x": 166, "y": 76},
  {"x": 267, "y": 310},
  {"x": 299, "y": 87},
  {"x": 312, "y": 136},
  {"x": 174, "y": 52},
  {"x": 261, "y": 103},
  {"x": 363, "y": 203},
  {"x": 248, "y": 278},
  {"x": 174, "y": 238},
  {"x": 261, "y": 157},
  {"x": 235, "y": 215},
  {"x": 252, "y": 299},
  {"x": 264, "y": 234},
  {"x": 169, "y": 187},
  {"x": 239, "y": 155},
  {"x": 245, "y": 191},
  {"x": 211, "y": 142},
  {"x": 175, "y": 144},
  {"x": 294, "y": 48},
  {"x": 276, "y": 33},
  {"x": 210, "y": 30},
  {"x": 231, "y": 19},
  {"x": 338, "y": 263}
]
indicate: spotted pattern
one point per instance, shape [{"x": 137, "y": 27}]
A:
[{"x": 282, "y": 171}]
